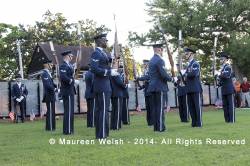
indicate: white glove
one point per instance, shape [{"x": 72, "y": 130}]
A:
[
  {"x": 18, "y": 100},
  {"x": 77, "y": 82},
  {"x": 70, "y": 81},
  {"x": 183, "y": 72},
  {"x": 74, "y": 66},
  {"x": 216, "y": 73},
  {"x": 175, "y": 79},
  {"x": 114, "y": 72},
  {"x": 128, "y": 85},
  {"x": 112, "y": 56},
  {"x": 21, "y": 98}
]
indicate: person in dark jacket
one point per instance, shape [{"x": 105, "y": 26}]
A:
[
  {"x": 68, "y": 91},
  {"x": 19, "y": 95},
  {"x": 125, "y": 99},
  {"x": 49, "y": 89},
  {"x": 227, "y": 89},
  {"x": 193, "y": 88},
  {"x": 99, "y": 66},
  {"x": 117, "y": 86},
  {"x": 147, "y": 95},
  {"x": 158, "y": 86},
  {"x": 182, "y": 101},
  {"x": 89, "y": 96}
]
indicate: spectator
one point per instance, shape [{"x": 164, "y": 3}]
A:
[
  {"x": 237, "y": 89},
  {"x": 245, "y": 86}
]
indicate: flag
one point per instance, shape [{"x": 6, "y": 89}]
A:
[{"x": 12, "y": 116}]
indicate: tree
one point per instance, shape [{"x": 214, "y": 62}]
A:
[
  {"x": 54, "y": 27},
  {"x": 199, "y": 21}
]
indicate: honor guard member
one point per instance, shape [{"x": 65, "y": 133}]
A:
[
  {"x": 182, "y": 100},
  {"x": 193, "y": 88},
  {"x": 125, "y": 98},
  {"x": 49, "y": 89},
  {"x": 158, "y": 86},
  {"x": 145, "y": 79},
  {"x": 68, "y": 92},
  {"x": 99, "y": 66},
  {"x": 19, "y": 94},
  {"x": 227, "y": 88},
  {"x": 89, "y": 96},
  {"x": 117, "y": 86}
]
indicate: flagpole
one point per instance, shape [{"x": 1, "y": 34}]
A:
[{"x": 20, "y": 57}]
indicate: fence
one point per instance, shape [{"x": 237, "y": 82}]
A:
[{"x": 35, "y": 88}]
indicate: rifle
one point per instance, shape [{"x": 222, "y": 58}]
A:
[
  {"x": 79, "y": 52},
  {"x": 137, "y": 84},
  {"x": 170, "y": 57},
  {"x": 180, "y": 64},
  {"x": 125, "y": 69},
  {"x": 58, "y": 85},
  {"x": 214, "y": 66},
  {"x": 116, "y": 50}
]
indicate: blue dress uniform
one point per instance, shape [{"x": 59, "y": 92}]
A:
[
  {"x": 67, "y": 92},
  {"x": 19, "y": 90},
  {"x": 89, "y": 96},
  {"x": 182, "y": 100},
  {"x": 194, "y": 90},
  {"x": 102, "y": 90},
  {"x": 158, "y": 87},
  {"x": 125, "y": 99},
  {"x": 49, "y": 89},
  {"x": 150, "y": 117},
  {"x": 117, "y": 86},
  {"x": 227, "y": 91}
]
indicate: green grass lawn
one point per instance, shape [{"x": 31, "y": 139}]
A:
[{"x": 28, "y": 143}]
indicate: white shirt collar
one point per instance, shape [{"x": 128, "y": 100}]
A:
[
  {"x": 190, "y": 60},
  {"x": 19, "y": 84},
  {"x": 67, "y": 62},
  {"x": 47, "y": 70},
  {"x": 100, "y": 48}
]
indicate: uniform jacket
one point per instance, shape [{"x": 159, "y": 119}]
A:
[
  {"x": 89, "y": 78},
  {"x": 66, "y": 73},
  {"x": 157, "y": 75},
  {"x": 226, "y": 82},
  {"x": 18, "y": 92},
  {"x": 193, "y": 83},
  {"x": 48, "y": 87},
  {"x": 145, "y": 78},
  {"x": 117, "y": 86},
  {"x": 99, "y": 65}
]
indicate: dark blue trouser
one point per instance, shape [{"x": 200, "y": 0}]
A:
[
  {"x": 125, "y": 111},
  {"x": 195, "y": 108},
  {"x": 102, "y": 102},
  {"x": 116, "y": 114},
  {"x": 157, "y": 103},
  {"x": 22, "y": 110},
  {"x": 228, "y": 107},
  {"x": 183, "y": 109},
  {"x": 50, "y": 116},
  {"x": 150, "y": 118},
  {"x": 68, "y": 118},
  {"x": 90, "y": 112}
]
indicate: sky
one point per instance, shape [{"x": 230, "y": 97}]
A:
[{"x": 130, "y": 16}]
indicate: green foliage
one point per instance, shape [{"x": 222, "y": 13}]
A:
[
  {"x": 199, "y": 21},
  {"x": 54, "y": 27},
  {"x": 130, "y": 62}
]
